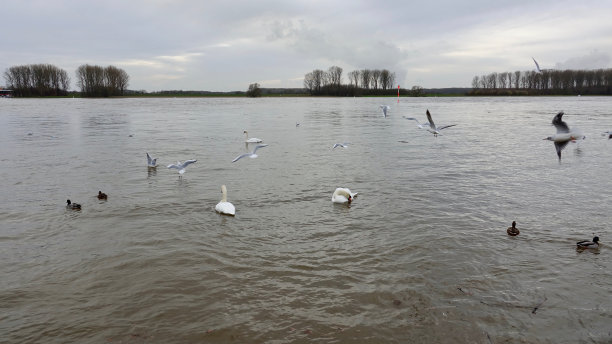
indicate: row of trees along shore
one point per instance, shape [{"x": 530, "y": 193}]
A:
[
  {"x": 546, "y": 82},
  {"x": 40, "y": 80},
  {"x": 361, "y": 82}
]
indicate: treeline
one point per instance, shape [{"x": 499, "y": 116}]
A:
[
  {"x": 361, "y": 82},
  {"x": 546, "y": 82},
  {"x": 37, "y": 80},
  {"x": 40, "y": 80},
  {"x": 96, "y": 81}
]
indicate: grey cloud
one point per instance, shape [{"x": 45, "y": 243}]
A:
[{"x": 593, "y": 60}]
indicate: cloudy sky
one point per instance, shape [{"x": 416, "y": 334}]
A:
[{"x": 226, "y": 45}]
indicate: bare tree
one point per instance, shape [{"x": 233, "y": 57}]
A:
[
  {"x": 37, "y": 80},
  {"x": 335, "y": 76},
  {"x": 375, "y": 78},
  {"x": 366, "y": 76},
  {"x": 475, "y": 82},
  {"x": 354, "y": 78}
]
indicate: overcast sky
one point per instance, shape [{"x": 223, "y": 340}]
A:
[{"x": 227, "y": 45}]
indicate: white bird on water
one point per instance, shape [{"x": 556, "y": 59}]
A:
[
  {"x": 251, "y": 155},
  {"x": 564, "y": 135},
  {"x": 181, "y": 166},
  {"x": 224, "y": 207},
  {"x": 343, "y": 145},
  {"x": 608, "y": 134},
  {"x": 151, "y": 163},
  {"x": 252, "y": 139},
  {"x": 385, "y": 108},
  {"x": 343, "y": 195}
]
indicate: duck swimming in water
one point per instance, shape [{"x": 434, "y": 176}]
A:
[
  {"x": 73, "y": 206},
  {"x": 588, "y": 244},
  {"x": 513, "y": 231},
  {"x": 102, "y": 195}
]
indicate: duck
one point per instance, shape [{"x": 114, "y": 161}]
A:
[
  {"x": 343, "y": 195},
  {"x": 252, "y": 139},
  {"x": 102, "y": 195},
  {"x": 588, "y": 244},
  {"x": 73, "y": 206},
  {"x": 513, "y": 231},
  {"x": 224, "y": 207}
]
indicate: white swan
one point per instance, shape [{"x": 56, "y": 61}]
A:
[
  {"x": 343, "y": 195},
  {"x": 252, "y": 139},
  {"x": 224, "y": 207}
]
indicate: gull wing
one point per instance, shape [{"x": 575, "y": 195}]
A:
[
  {"x": 431, "y": 122},
  {"x": 537, "y": 65},
  {"x": 446, "y": 126},
  {"x": 241, "y": 156},
  {"x": 188, "y": 162},
  {"x": 257, "y": 147},
  {"x": 151, "y": 161},
  {"x": 559, "y": 147},
  {"x": 559, "y": 124},
  {"x": 174, "y": 166}
]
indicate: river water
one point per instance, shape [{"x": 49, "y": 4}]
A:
[{"x": 421, "y": 255}]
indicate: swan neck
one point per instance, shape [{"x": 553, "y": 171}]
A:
[{"x": 224, "y": 191}]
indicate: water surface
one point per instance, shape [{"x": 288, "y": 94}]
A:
[{"x": 421, "y": 256}]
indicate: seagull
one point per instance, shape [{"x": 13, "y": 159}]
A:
[
  {"x": 385, "y": 108},
  {"x": 251, "y": 155},
  {"x": 343, "y": 145},
  {"x": 421, "y": 126},
  {"x": 431, "y": 127},
  {"x": 152, "y": 163},
  {"x": 297, "y": 124},
  {"x": 538, "y": 70},
  {"x": 181, "y": 166},
  {"x": 608, "y": 134},
  {"x": 252, "y": 139},
  {"x": 563, "y": 135}
]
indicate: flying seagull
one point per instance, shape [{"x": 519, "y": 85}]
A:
[
  {"x": 431, "y": 127},
  {"x": 181, "y": 166},
  {"x": 537, "y": 66},
  {"x": 385, "y": 108},
  {"x": 152, "y": 163},
  {"x": 564, "y": 135},
  {"x": 251, "y": 155},
  {"x": 343, "y": 145}
]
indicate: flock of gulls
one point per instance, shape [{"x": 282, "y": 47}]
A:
[{"x": 342, "y": 195}]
